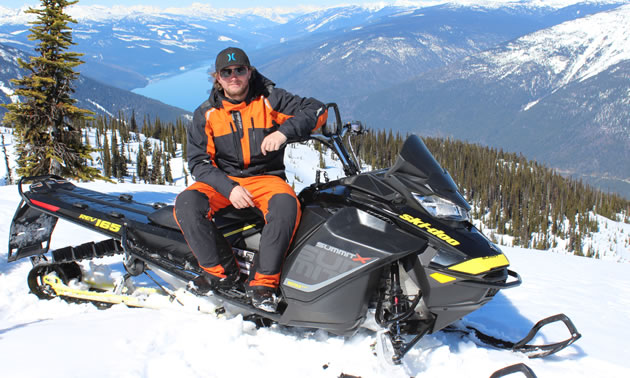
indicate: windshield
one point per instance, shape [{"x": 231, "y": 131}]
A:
[{"x": 421, "y": 173}]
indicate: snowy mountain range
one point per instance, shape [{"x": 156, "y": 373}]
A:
[
  {"x": 126, "y": 46},
  {"x": 517, "y": 75},
  {"x": 559, "y": 95}
]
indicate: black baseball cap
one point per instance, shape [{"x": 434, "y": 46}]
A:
[{"x": 232, "y": 56}]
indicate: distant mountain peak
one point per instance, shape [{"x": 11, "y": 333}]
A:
[{"x": 572, "y": 51}]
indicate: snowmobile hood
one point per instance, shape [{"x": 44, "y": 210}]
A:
[{"x": 417, "y": 167}]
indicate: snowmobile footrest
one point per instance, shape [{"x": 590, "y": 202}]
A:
[{"x": 240, "y": 300}]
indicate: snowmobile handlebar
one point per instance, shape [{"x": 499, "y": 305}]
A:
[{"x": 332, "y": 137}]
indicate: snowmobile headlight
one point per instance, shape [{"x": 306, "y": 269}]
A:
[{"x": 442, "y": 208}]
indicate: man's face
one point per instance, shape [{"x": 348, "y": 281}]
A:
[{"x": 235, "y": 81}]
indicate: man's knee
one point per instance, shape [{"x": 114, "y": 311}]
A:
[
  {"x": 283, "y": 207},
  {"x": 191, "y": 203}
]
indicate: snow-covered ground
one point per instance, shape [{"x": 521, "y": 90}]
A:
[{"x": 56, "y": 339}]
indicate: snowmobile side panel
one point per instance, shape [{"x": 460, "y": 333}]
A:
[
  {"x": 30, "y": 232},
  {"x": 312, "y": 218},
  {"x": 329, "y": 278},
  {"x": 340, "y": 311},
  {"x": 350, "y": 243}
]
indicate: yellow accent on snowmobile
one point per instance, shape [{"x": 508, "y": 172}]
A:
[
  {"x": 239, "y": 230},
  {"x": 442, "y": 278},
  {"x": 138, "y": 299},
  {"x": 481, "y": 264}
]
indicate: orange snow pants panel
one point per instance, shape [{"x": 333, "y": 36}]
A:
[{"x": 195, "y": 207}]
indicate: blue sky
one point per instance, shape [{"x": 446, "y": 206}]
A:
[{"x": 184, "y": 3}]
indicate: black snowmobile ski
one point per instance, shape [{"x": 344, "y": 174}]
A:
[
  {"x": 522, "y": 346},
  {"x": 397, "y": 242}
]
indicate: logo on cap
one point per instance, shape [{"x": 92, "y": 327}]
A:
[{"x": 231, "y": 57}]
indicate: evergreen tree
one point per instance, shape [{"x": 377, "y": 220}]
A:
[
  {"x": 115, "y": 158},
  {"x": 168, "y": 176},
  {"x": 107, "y": 160},
  {"x": 133, "y": 123},
  {"x": 156, "y": 166},
  {"x": 45, "y": 121},
  {"x": 122, "y": 162},
  {"x": 141, "y": 165},
  {"x": 9, "y": 179},
  {"x": 185, "y": 147}
]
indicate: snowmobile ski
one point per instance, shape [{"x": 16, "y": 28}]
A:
[{"x": 522, "y": 346}]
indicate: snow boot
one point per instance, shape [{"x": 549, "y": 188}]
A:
[{"x": 263, "y": 298}]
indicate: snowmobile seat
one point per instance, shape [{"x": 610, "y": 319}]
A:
[{"x": 223, "y": 218}]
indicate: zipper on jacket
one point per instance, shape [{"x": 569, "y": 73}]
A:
[
  {"x": 238, "y": 121},
  {"x": 253, "y": 136},
  {"x": 238, "y": 149}
]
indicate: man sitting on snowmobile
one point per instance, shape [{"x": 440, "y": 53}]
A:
[{"x": 236, "y": 154}]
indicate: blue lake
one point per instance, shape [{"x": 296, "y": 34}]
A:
[{"x": 186, "y": 90}]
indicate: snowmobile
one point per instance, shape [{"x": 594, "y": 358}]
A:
[{"x": 394, "y": 245}]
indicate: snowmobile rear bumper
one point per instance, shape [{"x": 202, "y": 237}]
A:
[
  {"x": 32, "y": 224},
  {"x": 30, "y": 232}
]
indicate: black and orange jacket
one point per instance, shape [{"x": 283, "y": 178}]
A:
[{"x": 224, "y": 138}]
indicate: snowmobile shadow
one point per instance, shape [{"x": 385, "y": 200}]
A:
[
  {"x": 6, "y": 268},
  {"x": 500, "y": 317},
  {"x": 18, "y": 326}
]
